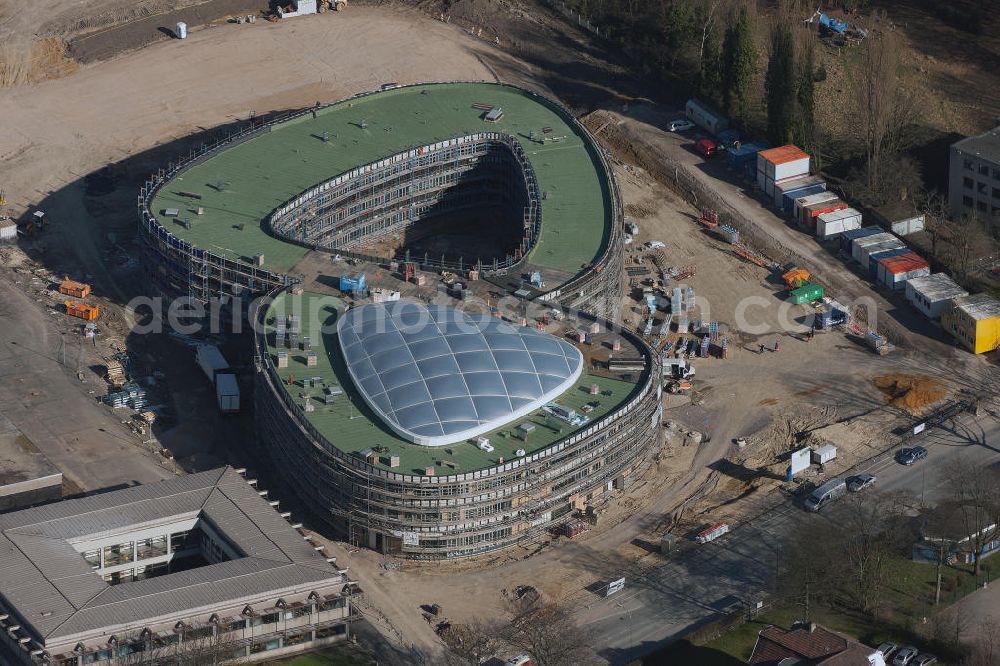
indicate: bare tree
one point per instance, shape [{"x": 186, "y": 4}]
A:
[
  {"x": 547, "y": 632},
  {"x": 471, "y": 643},
  {"x": 882, "y": 107},
  {"x": 975, "y": 490},
  {"x": 936, "y": 223},
  {"x": 869, "y": 541}
]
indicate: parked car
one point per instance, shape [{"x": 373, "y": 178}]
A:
[
  {"x": 911, "y": 455},
  {"x": 905, "y": 655},
  {"x": 680, "y": 125},
  {"x": 706, "y": 148},
  {"x": 887, "y": 648},
  {"x": 924, "y": 659},
  {"x": 860, "y": 482}
]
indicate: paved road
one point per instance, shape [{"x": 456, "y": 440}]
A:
[
  {"x": 46, "y": 402},
  {"x": 664, "y": 599}
]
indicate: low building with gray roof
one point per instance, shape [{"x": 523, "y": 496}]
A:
[{"x": 200, "y": 563}]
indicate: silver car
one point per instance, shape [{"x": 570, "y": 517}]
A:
[
  {"x": 680, "y": 125},
  {"x": 886, "y": 649},
  {"x": 906, "y": 654},
  {"x": 858, "y": 483},
  {"x": 924, "y": 659}
]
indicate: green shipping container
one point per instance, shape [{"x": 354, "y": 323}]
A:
[{"x": 806, "y": 293}]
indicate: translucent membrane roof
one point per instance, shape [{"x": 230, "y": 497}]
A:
[{"x": 436, "y": 375}]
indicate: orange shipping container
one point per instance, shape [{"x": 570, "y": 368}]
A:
[
  {"x": 73, "y": 288},
  {"x": 82, "y": 310},
  {"x": 810, "y": 214},
  {"x": 783, "y": 154}
]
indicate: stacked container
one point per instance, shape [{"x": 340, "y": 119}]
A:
[
  {"x": 867, "y": 241},
  {"x": 866, "y": 250},
  {"x": 787, "y": 192},
  {"x": 837, "y": 222},
  {"x": 893, "y": 272},
  {"x": 779, "y": 165}
]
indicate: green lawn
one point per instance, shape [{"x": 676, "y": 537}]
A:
[
  {"x": 242, "y": 185},
  {"x": 909, "y": 598},
  {"x": 350, "y": 425}
]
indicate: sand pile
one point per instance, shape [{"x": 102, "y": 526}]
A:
[{"x": 911, "y": 393}]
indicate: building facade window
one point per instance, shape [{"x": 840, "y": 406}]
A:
[
  {"x": 967, "y": 183},
  {"x": 984, "y": 170},
  {"x": 153, "y": 547},
  {"x": 967, "y": 202},
  {"x": 981, "y": 205},
  {"x": 968, "y": 165}
]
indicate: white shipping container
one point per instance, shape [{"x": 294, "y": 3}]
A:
[
  {"x": 824, "y": 454},
  {"x": 793, "y": 169},
  {"x": 227, "y": 393},
  {"x": 867, "y": 251},
  {"x": 211, "y": 361},
  {"x": 910, "y": 226},
  {"x": 809, "y": 200},
  {"x": 932, "y": 294},
  {"x": 860, "y": 243},
  {"x": 837, "y": 222}
]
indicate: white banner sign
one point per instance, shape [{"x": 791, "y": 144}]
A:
[
  {"x": 801, "y": 460},
  {"x": 616, "y": 586}
]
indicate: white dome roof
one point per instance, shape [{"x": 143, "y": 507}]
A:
[{"x": 437, "y": 375}]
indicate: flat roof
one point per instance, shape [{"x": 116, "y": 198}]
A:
[
  {"x": 985, "y": 145},
  {"x": 978, "y": 306},
  {"x": 56, "y": 594},
  {"x": 352, "y": 426},
  {"x": 244, "y": 183},
  {"x": 936, "y": 287}
]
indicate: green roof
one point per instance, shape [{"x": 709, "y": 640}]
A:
[
  {"x": 351, "y": 426},
  {"x": 243, "y": 184}
]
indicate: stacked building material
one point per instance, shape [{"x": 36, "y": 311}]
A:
[
  {"x": 130, "y": 395},
  {"x": 780, "y": 165}
]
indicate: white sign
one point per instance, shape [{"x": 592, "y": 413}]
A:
[
  {"x": 411, "y": 539},
  {"x": 919, "y": 428},
  {"x": 800, "y": 460},
  {"x": 615, "y": 586}
]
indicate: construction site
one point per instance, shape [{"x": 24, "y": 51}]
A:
[{"x": 673, "y": 337}]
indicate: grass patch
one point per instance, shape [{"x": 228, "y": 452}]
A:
[{"x": 337, "y": 656}]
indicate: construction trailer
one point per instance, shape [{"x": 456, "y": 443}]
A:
[
  {"x": 705, "y": 117},
  {"x": 807, "y": 293},
  {"x": 875, "y": 259},
  {"x": 858, "y": 245},
  {"x": 812, "y": 211},
  {"x": 8, "y": 231},
  {"x": 848, "y": 238},
  {"x": 75, "y": 289},
  {"x": 779, "y": 165},
  {"x": 895, "y": 272},
  {"x": 932, "y": 294},
  {"x": 974, "y": 321},
  {"x": 866, "y": 251},
  {"x": 834, "y": 223},
  {"x": 787, "y": 192},
  {"x": 82, "y": 310}
]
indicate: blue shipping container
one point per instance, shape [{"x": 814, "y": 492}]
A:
[
  {"x": 874, "y": 258},
  {"x": 848, "y": 237},
  {"x": 747, "y": 153}
]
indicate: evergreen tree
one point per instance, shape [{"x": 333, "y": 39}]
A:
[
  {"x": 780, "y": 87},
  {"x": 710, "y": 76},
  {"x": 739, "y": 60},
  {"x": 806, "y": 125}
]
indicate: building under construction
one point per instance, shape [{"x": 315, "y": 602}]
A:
[{"x": 429, "y": 467}]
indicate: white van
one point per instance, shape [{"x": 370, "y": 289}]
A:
[{"x": 828, "y": 492}]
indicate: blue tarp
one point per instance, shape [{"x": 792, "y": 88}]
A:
[
  {"x": 352, "y": 282},
  {"x": 832, "y": 24}
]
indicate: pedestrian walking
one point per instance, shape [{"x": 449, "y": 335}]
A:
[
  {"x": 761, "y": 348},
  {"x": 776, "y": 347}
]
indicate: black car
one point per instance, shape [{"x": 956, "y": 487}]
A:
[{"x": 911, "y": 455}]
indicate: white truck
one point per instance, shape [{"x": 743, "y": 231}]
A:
[{"x": 216, "y": 368}]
